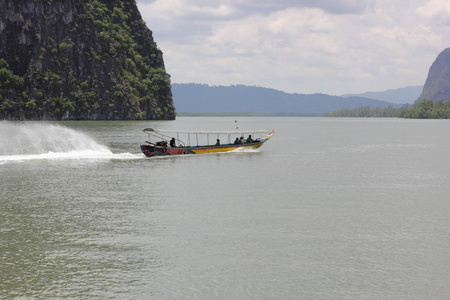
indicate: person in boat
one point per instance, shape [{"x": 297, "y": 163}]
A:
[
  {"x": 236, "y": 141},
  {"x": 241, "y": 140},
  {"x": 172, "y": 142},
  {"x": 249, "y": 139},
  {"x": 218, "y": 142}
]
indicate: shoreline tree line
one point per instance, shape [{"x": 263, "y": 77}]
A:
[{"x": 424, "y": 109}]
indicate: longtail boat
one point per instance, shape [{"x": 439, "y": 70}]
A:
[{"x": 171, "y": 142}]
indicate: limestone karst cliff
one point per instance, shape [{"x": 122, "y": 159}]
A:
[
  {"x": 437, "y": 85},
  {"x": 80, "y": 60}
]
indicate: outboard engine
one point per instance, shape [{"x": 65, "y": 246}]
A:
[{"x": 162, "y": 144}]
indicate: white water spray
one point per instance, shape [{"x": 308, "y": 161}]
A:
[
  {"x": 245, "y": 150},
  {"x": 33, "y": 140}
]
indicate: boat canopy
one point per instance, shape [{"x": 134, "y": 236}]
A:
[
  {"x": 201, "y": 137},
  {"x": 162, "y": 131}
]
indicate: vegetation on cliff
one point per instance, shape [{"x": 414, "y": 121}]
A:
[{"x": 80, "y": 59}]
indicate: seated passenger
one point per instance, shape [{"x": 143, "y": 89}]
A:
[
  {"x": 172, "y": 142},
  {"x": 249, "y": 139},
  {"x": 218, "y": 142},
  {"x": 236, "y": 141},
  {"x": 241, "y": 140}
]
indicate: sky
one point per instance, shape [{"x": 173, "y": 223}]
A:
[{"x": 333, "y": 47}]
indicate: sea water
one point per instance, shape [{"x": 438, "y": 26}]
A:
[{"x": 326, "y": 209}]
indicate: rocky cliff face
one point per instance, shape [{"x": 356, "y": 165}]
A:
[
  {"x": 80, "y": 59},
  {"x": 437, "y": 85}
]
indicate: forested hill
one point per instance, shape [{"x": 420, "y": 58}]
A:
[
  {"x": 201, "y": 98},
  {"x": 80, "y": 59}
]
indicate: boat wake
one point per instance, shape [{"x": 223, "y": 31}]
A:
[
  {"x": 40, "y": 141},
  {"x": 94, "y": 155},
  {"x": 244, "y": 150}
]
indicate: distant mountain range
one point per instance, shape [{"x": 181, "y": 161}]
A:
[
  {"x": 202, "y": 98},
  {"x": 400, "y": 96}
]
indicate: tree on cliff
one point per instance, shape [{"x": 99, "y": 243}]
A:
[{"x": 80, "y": 59}]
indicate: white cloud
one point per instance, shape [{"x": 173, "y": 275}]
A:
[
  {"x": 258, "y": 6},
  {"x": 436, "y": 10},
  {"x": 302, "y": 46}
]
